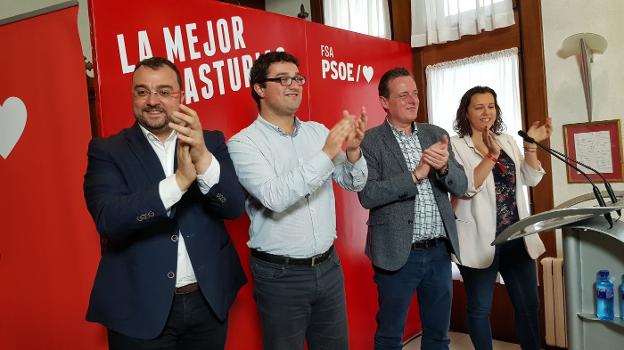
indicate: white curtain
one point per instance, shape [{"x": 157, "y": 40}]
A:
[
  {"x": 448, "y": 81},
  {"x": 439, "y": 21},
  {"x": 370, "y": 17}
]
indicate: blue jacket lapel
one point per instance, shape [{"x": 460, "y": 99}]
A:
[{"x": 144, "y": 153}]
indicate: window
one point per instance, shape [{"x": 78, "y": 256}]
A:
[
  {"x": 448, "y": 81},
  {"x": 370, "y": 17},
  {"x": 453, "y": 8},
  {"x": 440, "y": 21}
]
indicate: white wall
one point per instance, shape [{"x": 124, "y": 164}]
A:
[
  {"x": 566, "y": 100},
  {"x": 10, "y": 8}
]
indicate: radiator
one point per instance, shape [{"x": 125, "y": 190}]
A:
[{"x": 554, "y": 302}]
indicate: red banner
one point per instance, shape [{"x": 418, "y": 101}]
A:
[
  {"x": 344, "y": 70},
  {"x": 49, "y": 249},
  {"x": 214, "y": 45}
]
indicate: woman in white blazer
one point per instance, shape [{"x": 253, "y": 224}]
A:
[{"x": 497, "y": 172}]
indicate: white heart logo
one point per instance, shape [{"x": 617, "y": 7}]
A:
[
  {"x": 368, "y": 73},
  {"x": 12, "y": 124}
]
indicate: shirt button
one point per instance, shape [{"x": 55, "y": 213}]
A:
[
  {"x": 170, "y": 274},
  {"x": 174, "y": 238}
]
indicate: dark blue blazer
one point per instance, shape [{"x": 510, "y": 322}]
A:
[{"x": 135, "y": 281}]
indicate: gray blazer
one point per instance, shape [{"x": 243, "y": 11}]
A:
[{"x": 390, "y": 191}]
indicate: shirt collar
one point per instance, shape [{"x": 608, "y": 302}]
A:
[
  {"x": 278, "y": 129},
  {"x": 468, "y": 141},
  {"x": 153, "y": 138},
  {"x": 401, "y": 132}
]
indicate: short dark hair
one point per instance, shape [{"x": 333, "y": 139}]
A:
[
  {"x": 260, "y": 69},
  {"x": 159, "y": 62},
  {"x": 389, "y": 76},
  {"x": 461, "y": 125}
]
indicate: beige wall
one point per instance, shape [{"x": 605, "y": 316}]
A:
[{"x": 566, "y": 101}]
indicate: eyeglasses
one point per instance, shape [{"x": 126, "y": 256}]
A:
[
  {"x": 287, "y": 81},
  {"x": 163, "y": 93}
]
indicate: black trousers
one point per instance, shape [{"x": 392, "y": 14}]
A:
[{"x": 191, "y": 325}]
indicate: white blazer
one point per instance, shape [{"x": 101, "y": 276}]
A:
[{"x": 475, "y": 211}]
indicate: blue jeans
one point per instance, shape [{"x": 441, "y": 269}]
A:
[
  {"x": 520, "y": 276},
  {"x": 299, "y": 303},
  {"x": 427, "y": 272},
  {"x": 191, "y": 325}
]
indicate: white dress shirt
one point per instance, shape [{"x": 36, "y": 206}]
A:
[{"x": 170, "y": 194}]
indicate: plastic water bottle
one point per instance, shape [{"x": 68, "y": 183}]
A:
[
  {"x": 622, "y": 298},
  {"x": 604, "y": 296}
]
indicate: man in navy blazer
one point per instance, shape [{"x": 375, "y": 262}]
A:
[{"x": 159, "y": 193}]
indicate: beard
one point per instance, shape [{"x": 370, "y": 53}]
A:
[{"x": 154, "y": 125}]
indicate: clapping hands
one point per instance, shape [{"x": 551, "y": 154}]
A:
[
  {"x": 349, "y": 131},
  {"x": 192, "y": 154}
]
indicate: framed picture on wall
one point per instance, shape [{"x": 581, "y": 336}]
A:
[{"x": 597, "y": 144}]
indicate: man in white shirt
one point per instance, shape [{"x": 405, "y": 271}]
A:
[
  {"x": 286, "y": 166},
  {"x": 158, "y": 193}
]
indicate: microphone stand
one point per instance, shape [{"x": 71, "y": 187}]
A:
[
  {"x": 564, "y": 159},
  {"x": 607, "y": 185}
]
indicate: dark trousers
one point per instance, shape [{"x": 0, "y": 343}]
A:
[
  {"x": 520, "y": 276},
  {"x": 299, "y": 303},
  {"x": 428, "y": 273},
  {"x": 191, "y": 325}
]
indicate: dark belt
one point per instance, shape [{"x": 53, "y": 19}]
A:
[
  {"x": 428, "y": 243},
  {"x": 284, "y": 260},
  {"x": 189, "y": 288}
]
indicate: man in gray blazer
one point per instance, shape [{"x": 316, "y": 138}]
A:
[{"x": 411, "y": 225}]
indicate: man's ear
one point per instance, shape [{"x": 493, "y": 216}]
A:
[
  {"x": 259, "y": 89},
  {"x": 384, "y": 102}
]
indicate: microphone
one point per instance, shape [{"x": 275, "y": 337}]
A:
[
  {"x": 568, "y": 161},
  {"x": 526, "y": 137}
]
